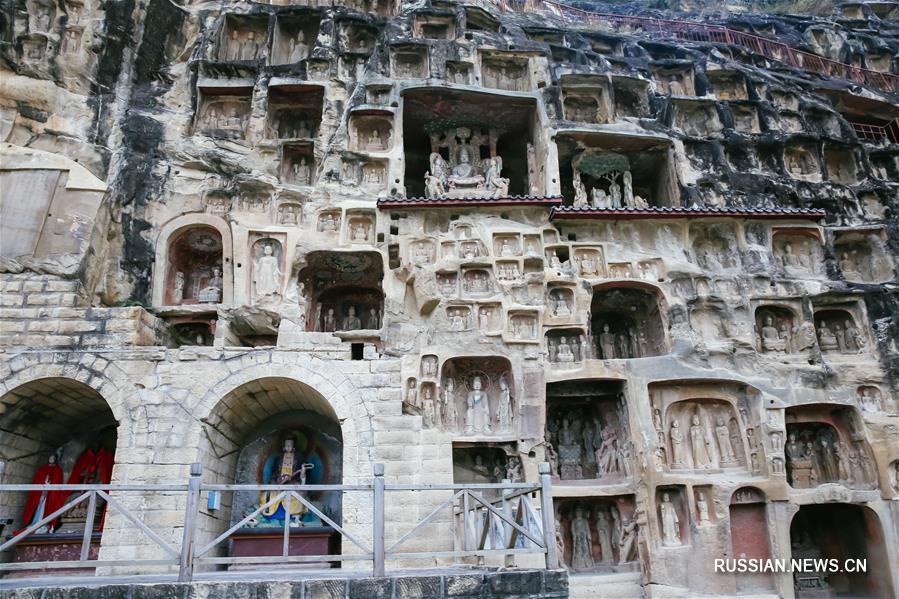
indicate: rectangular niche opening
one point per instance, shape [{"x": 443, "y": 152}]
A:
[
  {"x": 477, "y": 19},
  {"x": 674, "y": 80},
  {"x": 587, "y": 425},
  {"x": 223, "y": 112},
  {"x": 507, "y": 71},
  {"x": 298, "y": 163},
  {"x": 483, "y": 125},
  {"x": 585, "y": 98},
  {"x": 631, "y": 97},
  {"x": 243, "y": 38},
  {"x": 294, "y": 111},
  {"x": 435, "y": 26},
  {"x": 649, "y": 160},
  {"x": 294, "y": 38},
  {"x": 728, "y": 85}
]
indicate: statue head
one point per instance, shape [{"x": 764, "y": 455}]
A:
[
  {"x": 351, "y": 311},
  {"x": 503, "y": 383},
  {"x": 695, "y": 419},
  {"x": 411, "y": 383},
  {"x": 52, "y": 459},
  {"x": 788, "y": 248},
  {"x": 605, "y": 328},
  {"x": 721, "y": 422},
  {"x": 267, "y": 250},
  {"x": 666, "y": 498},
  {"x": 675, "y": 424},
  {"x": 330, "y": 311},
  {"x": 476, "y": 383},
  {"x": 769, "y": 320},
  {"x": 288, "y": 444}
]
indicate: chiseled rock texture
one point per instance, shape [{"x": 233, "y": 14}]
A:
[{"x": 677, "y": 285}]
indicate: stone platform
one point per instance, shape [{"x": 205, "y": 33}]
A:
[{"x": 458, "y": 583}]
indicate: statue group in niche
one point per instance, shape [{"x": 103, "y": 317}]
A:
[
  {"x": 817, "y": 457},
  {"x": 567, "y": 349},
  {"x": 629, "y": 342},
  {"x": 705, "y": 446},
  {"x": 205, "y": 292},
  {"x": 465, "y": 179},
  {"x": 242, "y": 45},
  {"x": 297, "y": 48},
  {"x": 845, "y": 338},
  {"x": 619, "y": 195},
  {"x": 330, "y": 322},
  {"x": 476, "y": 282},
  {"x": 869, "y": 399},
  {"x": 292, "y": 128},
  {"x": 802, "y": 261},
  {"x": 613, "y": 535},
  {"x": 301, "y": 171},
  {"x": 225, "y": 116},
  {"x": 588, "y": 444},
  {"x": 477, "y": 416}
]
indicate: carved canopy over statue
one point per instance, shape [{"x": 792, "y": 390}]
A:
[{"x": 465, "y": 175}]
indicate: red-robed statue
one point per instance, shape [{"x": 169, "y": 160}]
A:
[{"x": 43, "y": 503}]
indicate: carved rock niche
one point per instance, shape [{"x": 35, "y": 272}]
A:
[
  {"x": 586, "y": 99},
  {"x": 459, "y": 318},
  {"x": 704, "y": 434},
  {"x": 728, "y": 85},
  {"x": 797, "y": 252},
  {"x": 696, "y": 118},
  {"x": 506, "y": 245},
  {"x": 672, "y": 515},
  {"x": 841, "y": 165},
  {"x": 371, "y": 131},
  {"x": 329, "y": 222},
  {"x": 596, "y": 533},
  {"x": 490, "y": 318},
  {"x": 421, "y": 251},
  {"x": 377, "y": 94},
  {"x": 356, "y": 37},
  {"x": 508, "y": 270},
  {"x": 429, "y": 365},
  {"x": 746, "y": 118},
  {"x": 448, "y": 283},
  {"x": 560, "y": 303},
  {"x": 715, "y": 247},
  {"x": 870, "y": 399},
  {"x": 478, "y": 397},
  {"x": 505, "y": 72},
  {"x": 298, "y": 164},
  {"x": 194, "y": 269},
  {"x": 294, "y": 111},
  {"x": 631, "y": 96},
  {"x": 825, "y": 444},
  {"x": 243, "y": 38},
  {"x": 863, "y": 256},
  {"x": 34, "y": 47},
  {"x": 778, "y": 330},
  {"x": 674, "y": 81},
  {"x": 294, "y": 38},
  {"x": 567, "y": 347},
  {"x": 224, "y": 115},
  {"x": 458, "y": 73},
  {"x": 801, "y": 162},
  {"x": 434, "y": 26},
  {"x": 587, "y": 426},
  {"x": 485, "y": 463},
  {"x": 318, "y": 69},
  {"x": 477, "y": 282},
  {"x": 374, "y": 174},
  {"x": 409, "y": 62},
  {"x": 360, "y": 226},
  {"x": 290, "y": 212},
  {"x": 523, "y": 327},
  {"x": 626, "y": 322},
  {"x": 344, "y": 291},
  {"x": 267, "y": 268},
  {"x": 41, "y": 16},
  {"x": 841, "y": 329}
]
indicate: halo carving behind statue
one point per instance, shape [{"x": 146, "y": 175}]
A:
[{"x": 485, "y": 379}]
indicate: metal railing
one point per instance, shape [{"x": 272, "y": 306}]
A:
[
  {"x": 877, "y": 133},
  {"x": 472, "y": 512},
  {"x": 701, "y": 32}
]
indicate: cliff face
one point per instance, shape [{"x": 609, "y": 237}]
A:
[{"x": 519, "y": 194}]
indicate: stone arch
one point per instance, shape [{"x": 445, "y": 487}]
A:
[{"x": 171, "y": 230}]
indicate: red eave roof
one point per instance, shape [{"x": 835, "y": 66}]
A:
[
  {"x": 570, "y": 212},
  {"x": 551, "y": 202}
]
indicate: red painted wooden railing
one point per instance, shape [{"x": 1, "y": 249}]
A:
[
  {"x": 701, "y": 32},
  {"x": 888, "y": 132}
]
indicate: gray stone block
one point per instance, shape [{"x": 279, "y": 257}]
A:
[
  {"x": 555, "y": 582},
  {"x": 463, "y": 585},
  {"x": 325, "y": 589},
  {"x": 515, "y": 584},
  {"x": 154, "y": 591},
  {"x": 371, "y": 588},
  {"x": 418, "y": 587}
]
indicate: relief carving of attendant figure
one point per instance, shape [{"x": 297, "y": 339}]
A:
[
  {"x": 677, "y": 445},
  {"x": 267, "y": 274},
  {"x": 699, "y": 443},
  {"x": 351, "y": 322},
  {"x": 670, "y": 523},
  {"x": 504, "y": 408},
  {"x": 581, "y": 542},
  {"x": 477, "y": 416}
]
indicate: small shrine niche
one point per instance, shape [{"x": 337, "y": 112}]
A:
[
  {"x": 377, "y": 94},
  {"x": 267, "y": 270},
  {"x": 587, "y": 431},
  {"x": 823, "y": 445},
  {"x": 490, "y": 318},
  {"x": 243, "y": 38},
  {"x": 477, "y": 282},
  {"x": 506, "y": 245},
  {"x": 507, "y": 270},
  {"x": 329, "y": 222},
  {"x": 715, "y": 247},
  {"x": 342, "y": 290},
  {"x": 879, "y": 61},
  {"x": 631, "y": 97},
  {"x": 421, "y": 251},
  {"x": 746, "y": 118},
  {"x": 429, "y": 364},
  {"x": 728, "y": 85},
  {"x": 801, "y": 162},
  {"x": 567, "y": 347},
  {"x": 596, "y": 534},
  {"x": 34, "y": 48},
  {"x": 448, "y": 284},
  {"x": 294, "y": 38},
  {"x": 607, "y": 171},
  {"x": 434, "y": 26},
  {"x": 749, "y": 534},
  {"x": 477, "y": 19},
  {"x": 298, "y": 164},
  {"x": 217, "y": 202},
  {"x": 839, "y": 332},
  {"x": 560, "y": 302},
  {"x": 360, "y": 226},
  {"x": 189, "y": 331},
  {"x": 41, "y": 16},
  {"x": 557, "y": 257},
  {"x": 481, "y": 463},
  {"x": 290, "y": 213},
  {"x": 524, "y": 326},
  {"x": 71, "y": 41},
  {"x": 841, "y": 165},
  {"x": 674, "y": 80},
  {"x": 784, "y": 100},
  {"x": 355, "y": 37},
  {"x": 461, "y": 144},
  {"x": 696, "y": 118},
  {"x": 778, "y": 331},
  {"x": 870, "y": 399},
  {"x": 459, "y": 318},
  {"x": 477, "y": 397},
  {"x": 409, "y": 62},
  {"x": 863, "y": 255},
  {"x": 194, "y": 267},
  {"x": 585, "y": 99},
  {"x": 223, "y": 112},
  {"x": 704, "y": 512},
  {"x": 505, "y": 72},
  {"x": 371, "y": 131},
  {"x": 374, "y": 175},
  {"x": 318, "y": 69},
  {"x": 458, "y": 73},
  {"x": 294, "y": 111},
  {"x": 797, "y": 252},
  {"x": 673, "y": 516},
  {"x": 704, "y": 434},
  {"x": 626, "y": 322}
]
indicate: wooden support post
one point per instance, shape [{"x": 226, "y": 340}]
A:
[
  {"x": 191, "y": 514},
  {"x": 549, "y": 520},
  {"x": 378, "y": 566},
  {"x": 88, "y": 526}
]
